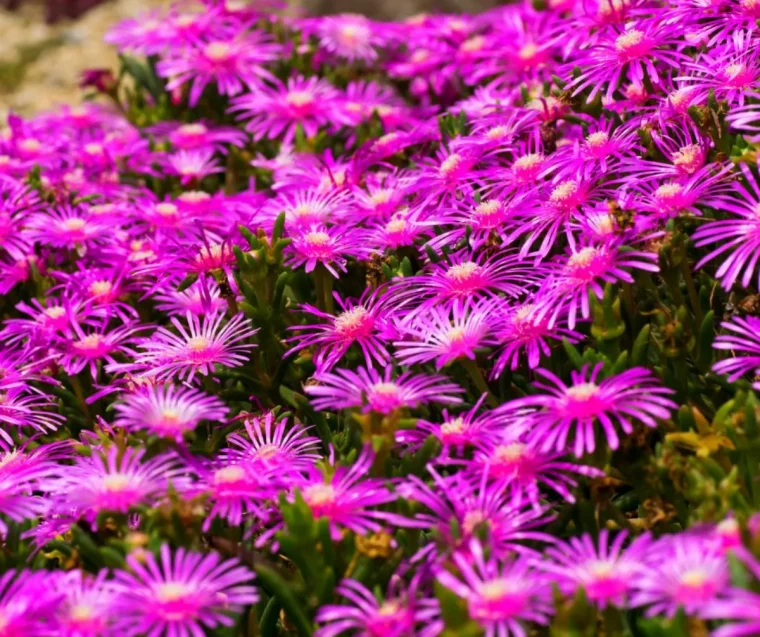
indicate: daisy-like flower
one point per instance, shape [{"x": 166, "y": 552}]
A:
[
  {"x": 115, "y": 481},
  {"x": 66, "y": 227},
  {"x": 192, "y": 165},
  {"x": 459, "y": 508},
  {"x": 585, "y": 271},
  {"x": 731, "y": 70},
  {"x": 21, "y": 408},
  {"x": 197, "y": 347},
  {"x": 328, "y": 246},
  {"x": 200, "y": 135},
  {"x": 743, "y": 341},
  {"x": 235, "y": 490},
  {"x": 589, "y": 404},
  {"x": 445, "y": 334},
  {"x": 526, "y": 472},
  {"x": 524, "y": 330},
  {"x": 351, "y": 37},
  {"x": 273, "y": 446},
  {"x": 682, "y": 571},
  {"x": 344, "y": 498},
  {"x": 182, "y": 594},
  {"x": 22, "y": 473},
  {"x": 28, "y": 600},
  {"x": 401, "y": 614},
  {"x": 167, "y": 411},
  {"x": 500, "y": 595},
  {"x": 633, "y": 54},
  {"x": 17, "y": 202},
  {"x": 738, "y": 237},
  {"x": 740, "y": 608},
  {"x": 276, "y": 111},
  {"x": 363, "y": 323},
  {"x": 604, "y": 569},
  {"x": 87, "y": 346},
  {"x": 466, "y": 277},
  {"x": 88, "y": 606},
  {"x": 228, "y": 63},
  {"x": 368, "y": 389},
  {"x": 200, "y": 299}
]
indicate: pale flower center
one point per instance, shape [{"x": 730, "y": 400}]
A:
[
  {"x": 527, "y": 52},
  {"x": 583, "y": 257},
  {"x": 688, "y": 158},
  {"x": 385, "y": 389},
  {"x": 598, "y": 139},
  {"x": 229, "y": 475},
  {"x": 319, "y": 495},
  {"x": 462, "y": 271},
  {"x": 452, "y": 427},
  {"x": 381, "y": 196},
  {"x": 90, "y": 342},
  {"x": 299, "y": 98},
  {"x": 171, "y": 592},
  {"x": 317, "y": 238},
  {"x": 472, "y": 45},
  {"x": 55, "y": 312},
  {"x": 396, "y": 225},
  {"x": 450, "y": 164},
  {"x": 564, "y": 194},
  {"x": 74, "y": 224},
  {"x": 583, "y": 392},
  {"x": 511, "y": 452},
  {"x": 100, "y": 288},
  {"x": 166, "y": 209},
  {"x": 115, "y": 482},
  {"x": 198, "y": 344},
  {"x": 351, "y": 319},
  {"x": 218, "y": 51},
  {"x": 629, "y": 40},
  {"x": 192, "y": 129}
]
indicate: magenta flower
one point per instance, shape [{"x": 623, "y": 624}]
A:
[
  {"x": 344, "y": 498},
  {"x": 117, "y": 481},
  {"x": 458, "y": 433},
  {"x": 589, "y": 404},
  {"x": 738, "y": 237},
  {"x": 89, "y": 605},
  {"x": 22, "y": 474},
  {"x": 524, "y": 469},
  {"x": 460, "y": 508},
  {"x": 524, "y": 331},
  {"x": 28, "y": 600},
  {"x": 21, "y": 408},
  {"x": 328, "y": 246},
  {"x": 604, "y": 569},
  {"x": 167, "y": 411},
  {"x": 445, "y": 334},
  {"x": 273, "y": 447},
  {"x": 192, "y": 165},
  {"x": 681, "y": 572},
  {"x": 368, "y": 389},
  {"x": 743, "y": 342},
  {"x": 465, "y": 277},
  {"x": 183, "y": 594},
  {"x": 66, "y": 227},
  {"x": 276, "y": 111},
  {"x": 199, "y": 135},
  {"x": 585, "y": 271},
  {"x": 228, "y": 63},
  {"x": 363, "y": 323},
  {"x": 351, "y": 37},
  {"x": 198, "y": 348},
  {"x": 90, "y": 346},
  {"x": 500, "y": 595},
  {"x": 740, "y": 608},
  {"x": 633, "y": 54},
  {"x": 236, "y": 490},
  {"x": 401, "y": 614}
]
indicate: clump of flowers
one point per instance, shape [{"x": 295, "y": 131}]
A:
[{"x": 330, "y": 326}]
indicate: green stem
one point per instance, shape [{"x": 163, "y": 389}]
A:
[
  {"x": 692, "y": 289},
  {"x": 76, "y": 385},
  {"x": 480, "y": 382},
  {"x": 323, "y": 281}
]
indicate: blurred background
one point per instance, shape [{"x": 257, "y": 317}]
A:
[{"x": 46, "y": 44}]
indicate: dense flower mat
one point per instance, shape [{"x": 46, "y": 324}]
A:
[{"x": 440, "y": 327}]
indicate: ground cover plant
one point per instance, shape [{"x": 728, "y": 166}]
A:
[{"x": 325, "y": 326}]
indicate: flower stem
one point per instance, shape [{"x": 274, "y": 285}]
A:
[
  {"x": 324, "y": 283},
  {"x": 692, "y": 289},
  {"x": 480, "y": 382}
]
